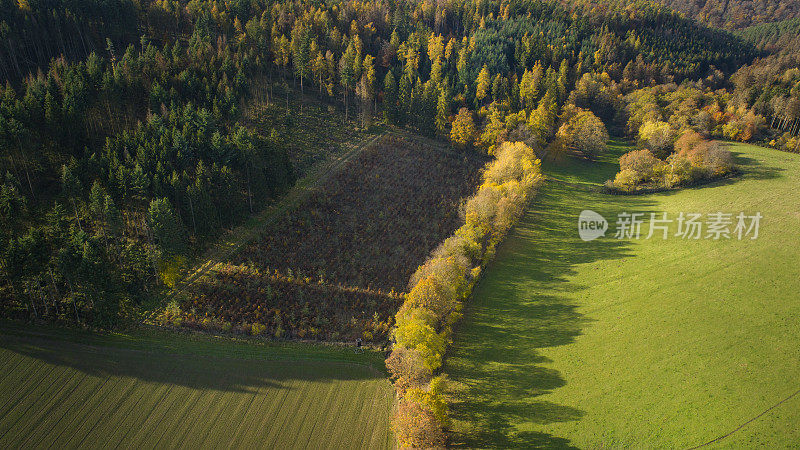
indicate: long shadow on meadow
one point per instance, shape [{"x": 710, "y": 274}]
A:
[
  {"x": 200, "y": 372},
  {"x": 524, "y": 304}
]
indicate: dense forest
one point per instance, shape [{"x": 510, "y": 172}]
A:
[{"x": 737, "y": 13}]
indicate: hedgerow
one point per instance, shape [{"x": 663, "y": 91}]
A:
[{"x": 424, "y": 324}]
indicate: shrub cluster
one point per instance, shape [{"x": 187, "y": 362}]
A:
[
  {"x": 262, "y": 302},
  {"x": 581, "y": 132},
  {"x": 438, "y": 287},
  {"x": 786, "y": 142},
  {"x": 694, "y": 159}
]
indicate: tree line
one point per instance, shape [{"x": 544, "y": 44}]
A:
[{"x": 424, "y": 323}]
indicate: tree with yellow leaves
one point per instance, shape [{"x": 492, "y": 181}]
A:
[
  {"x": 484, "y": 83},
  {"x": 581, "y": 132},
  {"x": 529, "y": 86},
  {"x": 463, "y": 131}
]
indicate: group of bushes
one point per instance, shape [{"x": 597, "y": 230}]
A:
[
  {"x": 433, "y": 304},
  {"x": 693, "y": 159},
  {"x": 581, "y": 133},
  {"x": 786, "y": 142}
]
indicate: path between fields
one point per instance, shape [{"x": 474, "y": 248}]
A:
[{"x": 240, "y": 236}]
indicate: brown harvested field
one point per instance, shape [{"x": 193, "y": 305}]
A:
[{"x": 336, "y": 266}]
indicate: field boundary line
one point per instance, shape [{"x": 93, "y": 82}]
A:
[
  {"x": 753, "y": 419},
  {"x": 100, "y": 349},
  {"x": 235, "y": 239}
]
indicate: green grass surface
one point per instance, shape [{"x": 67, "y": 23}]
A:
[
  {"x": 64, "y": 389},
  {"x": 637, "y": 343}
]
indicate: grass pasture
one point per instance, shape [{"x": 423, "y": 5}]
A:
[
  {"x": 637, "y": 343},
  {"x": 156, "y": 390}
]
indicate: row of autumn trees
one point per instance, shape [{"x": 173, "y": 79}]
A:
[
  {"x": 438, "y": 287},
  {"x": 146, "y": 112}
]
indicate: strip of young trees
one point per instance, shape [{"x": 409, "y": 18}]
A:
[{"x": 424, "y": 323}]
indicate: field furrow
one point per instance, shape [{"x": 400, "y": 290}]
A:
[{"x": 70, "y": 395}]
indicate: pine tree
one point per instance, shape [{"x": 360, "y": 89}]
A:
[
  {"x": 442, "y": 111},
  {"x": 301, "y": 55},
  {"x": 166, "y": 227},
  {"x": 499, "y": 88},
  {"x": 483, "y": 84},
  {"x": 366, "y": 90},
  {"x": 463, "y": 131},
  {"x": 390, "y": 97},
  {"x": 404, "y": 97},
  {"x": 529, "y": 86},
  {"x": 71, "y": 187},
  {"x": 347, "y": 74}
]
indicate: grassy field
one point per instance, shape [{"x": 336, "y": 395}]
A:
[
  {"x": 637, "y": 343},
  {"x": 155, "y": 390}
]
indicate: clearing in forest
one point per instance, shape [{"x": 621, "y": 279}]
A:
[{"x": 335, "y": 266}]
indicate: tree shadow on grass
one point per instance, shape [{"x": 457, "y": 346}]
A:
[
  {"x": 755, "y": 169},
  {"x": 524, "y": 303},
  {"x": 194, "y": 371}
]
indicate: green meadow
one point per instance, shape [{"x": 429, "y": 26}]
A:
[
  {"x": 62, "y": 389},
  {"x": 637, "y": 343}
]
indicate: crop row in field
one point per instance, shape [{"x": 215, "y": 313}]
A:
[{"x": 336, "y": 266}]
